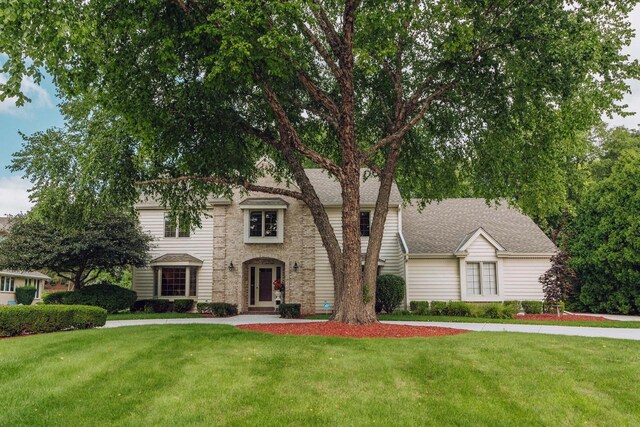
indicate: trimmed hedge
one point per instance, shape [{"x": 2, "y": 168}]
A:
[
  {"x": 389, "y": 292},
  {"x": 56, "y": 297},
  {"x": 290, "y": 311},
  {"x": 218, "y": 309},
  {"x": 151, "y": 306},
  {"x": 35, "y": 319},
  {"x": 438, "y": 308},
  {"x": 182, "y": 305},
  {"x": 532, "y": 307},
  {"x": 25, "y": 294},
  {"x": 458, "y": 308},
  {"x": 421, "y": 308},
  {"x": 110, "y": 297}
]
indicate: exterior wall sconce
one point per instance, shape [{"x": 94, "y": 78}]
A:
[
  {"x": 231, "y": 266},
  {"x": 296, "y": 267}
]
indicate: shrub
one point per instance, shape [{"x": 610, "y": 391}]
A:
[
  {"x": 458, "y": 308},
  {"x": 532, "y": 307},
  {"x": 25, "y": 294},
  {"x": 203, "y": 308},
  {"x": 110, "y": 297},
  {"x": 34, "y": 319},
  {"x": 438, "y": 308},
  {"x": 55, "y": 297},
  {"x": 403, "y": 312},
  {"x": 499, "y": 311},
  {"x": 389, "y": 291},
  {"x": 182, "y": 305},
  {"x": 419, "y": 307},
  {"x": 290, "y": 311},
  {"x": 151, "y": 305},
  {"x": 222, "y": 309},
  {"x": 513, "y": 303}
]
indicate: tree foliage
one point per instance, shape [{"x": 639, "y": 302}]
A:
[
  {"x": 432, "y": 94},
  {"x": 606, "y": 238},
  {"x": 76, "y": 254},
  {"x": 558, "y": 281}
]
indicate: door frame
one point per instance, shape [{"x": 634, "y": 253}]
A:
[{"x": 273, "y": 268}]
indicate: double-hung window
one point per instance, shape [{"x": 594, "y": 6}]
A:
[
  {"x": 36, "y": 284},
  {"x": 7, "y": 284},
  {"x": 174, "y": 227},
  {"x": 481, "y": 279}
]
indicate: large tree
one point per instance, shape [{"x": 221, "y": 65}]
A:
[
  {"x": 605, "y": 239},
  {"x": 429, "y": 93},
  {"x": 78, "y": 254}
]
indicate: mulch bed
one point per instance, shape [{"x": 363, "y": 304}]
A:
[
  {"x": 336, "y": 329},
  {"x": 564, "y": 318}
]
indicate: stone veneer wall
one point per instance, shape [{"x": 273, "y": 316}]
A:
[{"x": 228, "y": 246}]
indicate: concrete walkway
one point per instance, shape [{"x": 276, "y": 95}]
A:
[
  {"x": 619, "y": 317},
  {"x": 617, "y": 333}
]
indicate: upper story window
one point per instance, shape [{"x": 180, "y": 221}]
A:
[
  {"x": 264, "y": 220},
  {"x": 263, "y": 223},
  {"x": 175, "y": 228},
  {"x": 365, "y": 223},
  {"x": 481, "y": 279}
]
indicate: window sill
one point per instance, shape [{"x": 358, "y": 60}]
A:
[
  {"x": 492, "y": 298},
  {"x": 263, "y": 240}
]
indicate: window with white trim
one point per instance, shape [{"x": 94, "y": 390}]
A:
[
  {"x": 365, "y": 223},
  {"x": 264, "y": 225},
  {"x": 173, "y": 227},
  {"x": 176, "y": 281},
  {"x": 7, "y": 284},
  {"x": 481, "y": 279}
]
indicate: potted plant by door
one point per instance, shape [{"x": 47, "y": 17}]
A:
[{"x": 278, "y": 286}]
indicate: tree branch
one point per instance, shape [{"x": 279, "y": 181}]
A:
[
  {"x": 226, "y": 181},
  {"x": 401, "y": 132},
  {"x": 326, "y": 56},
  {"x": 333, "y": 38},
  {"x": 288, "y": 132},
  {"x": 319, "y": 96}
]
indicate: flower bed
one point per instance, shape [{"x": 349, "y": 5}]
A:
[
  {"x": 335, "y": 329},
  {"x": 563, "y": 318}
]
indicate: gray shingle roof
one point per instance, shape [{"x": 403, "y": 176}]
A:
[
  {"x": 182, "y": 258},
  {"x": 441, "y": 227},
  {"x": 26, "y": 274},
  {"x": 273, "y": 201},
  {"x": 330, "y": 193}
]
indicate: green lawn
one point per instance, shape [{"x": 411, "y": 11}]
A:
[
  {"x": 132, "y": 316},
  {"x": 218, "y": 375},
  {"x": 414, "y": 318}
]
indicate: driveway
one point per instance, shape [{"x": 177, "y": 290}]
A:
[{"x": 626, "y": 334}]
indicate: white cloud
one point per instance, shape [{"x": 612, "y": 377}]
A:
[
  {"x": 14, "y": 197},
  {"x": 40, "y": 98}
]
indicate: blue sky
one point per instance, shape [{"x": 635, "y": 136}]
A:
[{"x": 42, "y": 113}]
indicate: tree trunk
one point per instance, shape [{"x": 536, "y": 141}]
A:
[{"x": 351, "y": 301}]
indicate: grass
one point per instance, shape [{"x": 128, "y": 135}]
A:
[
  {"x": 218, "y": 375},
  {"x": 416, "y": 318},
  {"x": 134, "y": 316}
]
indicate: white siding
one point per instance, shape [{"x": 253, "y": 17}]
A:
[
  {"x": 199, "y": 245},
  {"x": 389, "y": 252},
  {"x": 481, "y": 250},
  {"x": 520, "y": 278},
  {"x": 433, "y": 280}
]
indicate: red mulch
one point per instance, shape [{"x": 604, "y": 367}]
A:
[
  {"x": 336, "y": 329},
  {"x": 564, "y": 318}
]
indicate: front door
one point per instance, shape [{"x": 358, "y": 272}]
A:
[{"x": 265, "y": 286}]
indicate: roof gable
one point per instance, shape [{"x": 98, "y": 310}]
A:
[
  {"x": 470, "y": 238},
  {"x": 444, "y": 227}
]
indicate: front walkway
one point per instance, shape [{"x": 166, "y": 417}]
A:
[{"x": 627, "y": 334}]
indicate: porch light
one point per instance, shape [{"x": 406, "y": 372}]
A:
[
  {"x": 231, "y": 266},
  {"x": 295, "y": 266}
]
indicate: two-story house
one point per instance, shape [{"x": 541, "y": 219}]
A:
[{"x": 458, "y": 249}]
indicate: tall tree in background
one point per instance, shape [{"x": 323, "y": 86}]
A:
[
  {"x": 605, "y": 241},
  {"x": 429, "y": 93}
]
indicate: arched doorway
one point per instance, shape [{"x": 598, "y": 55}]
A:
[{"x": 260, "y": 274}]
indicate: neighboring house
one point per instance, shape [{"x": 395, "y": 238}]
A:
[
  {"x": 459, "y": 249},
  {"x": 10, "y": 280}
]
